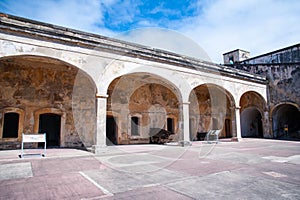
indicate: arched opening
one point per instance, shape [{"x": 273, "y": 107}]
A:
[
  {"x": 146, "y": 104},
  {"x": 50, "y": 124},
  {"x": 251, "y": 123},
  {"x": 211, "y": 108},
  {"x": 285, "y": 119},
  {"x": 35, "y": 82},
  {"x": 11, "y": 125},
  {"x": 252, "y": 111}
]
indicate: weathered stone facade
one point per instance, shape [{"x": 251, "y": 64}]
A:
[
  {"x": 282, "y": 69},
  {"x": 37, "y": 85},
  {"x": 212, "y": 107},
  {"x": 145, "y": 98},
  {"x": 87, "y": 90}
]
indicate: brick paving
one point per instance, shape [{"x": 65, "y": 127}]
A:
[{"x": 250, "y": 169}]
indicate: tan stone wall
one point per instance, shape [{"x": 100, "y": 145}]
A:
[
  {"x": 39, "y": 85},
  {"x": 210, "y": 107},
  {"x": 153, "y": 103},
  {"x": 252, "y": 99}
]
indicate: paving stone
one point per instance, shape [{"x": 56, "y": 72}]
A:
[
  {"x": 150, "y": 193},
  {"x": 228, "y": 185},
  {"x": 15, "y": 170},
  {"x": 239, "y": 170},
  {"x": 59, "y": 186},
  {"x": 116, "y": 181}
]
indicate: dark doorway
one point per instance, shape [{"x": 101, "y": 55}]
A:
[
  {"x": 11, "y": 125},
  {"x": 111, "y": 130},
  {"x": 170, "y": 124},
  {"x": 50, "y": 124},
  {"x": 251, "y": 123},
  {"x": 135, "y": 122},
  {"x": 228, "y": 128},
  {"x": 286, "y": 116}
]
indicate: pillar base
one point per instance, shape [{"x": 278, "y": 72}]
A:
[
  {"x": 236, "y": 139},
  {"x": 184, "y": 143},
  {"x": 99, "y": 149}
]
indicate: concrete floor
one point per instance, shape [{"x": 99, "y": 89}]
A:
[{"x": 250, "y": 169}]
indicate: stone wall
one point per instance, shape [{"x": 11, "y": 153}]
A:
[
  {"x": 210, "y": 106},
  {"x": 39, "y": 85},
  {"x": 282, "y": 69},
  {"x": 152, "y": 103}
]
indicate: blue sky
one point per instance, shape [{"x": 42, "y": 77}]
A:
[{"x": 217, "y": 26}]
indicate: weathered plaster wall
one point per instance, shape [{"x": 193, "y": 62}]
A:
[
  {"x": 210, "y": 107},
  {"x": 36, "y": 84},
  {"x": 282, "y": 69},
  {"x": 254, "y": 106},
  {"x": 284, "y": 81},
  {"x": 143, "y": 96}
]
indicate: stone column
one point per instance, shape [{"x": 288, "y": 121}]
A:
[
  {"x": 238, "y": 123},
  {"x": 186, "y": 123},
  {"x": 100, "y": 139},
  {"x": 266, "y": 124}
]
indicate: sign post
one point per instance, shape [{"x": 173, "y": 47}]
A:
[{"x": 29, "y": 138}]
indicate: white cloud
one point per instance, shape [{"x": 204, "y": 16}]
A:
[
  {"x": 166, "y": 40},
  {"x": 85, "y": 15},
  {"x": 257, "y": 26}
]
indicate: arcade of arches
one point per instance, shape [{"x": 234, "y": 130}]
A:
[{"x": 40, "y": 94}]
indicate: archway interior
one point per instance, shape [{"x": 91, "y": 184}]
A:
[
  {"x": 252, "y": 107},
  {"x": 210, "y": 108},
  {"x": 286, "y": 116},
  {"x": 144, "y": 104},
  {"x": 32, "y": 83},
  {"x": 251, "y": 123}
]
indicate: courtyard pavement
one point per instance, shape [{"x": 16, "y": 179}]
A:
[{"x": 250, "y": 169}]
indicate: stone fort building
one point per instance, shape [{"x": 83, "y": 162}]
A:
[{"x": 86, "y": 90}]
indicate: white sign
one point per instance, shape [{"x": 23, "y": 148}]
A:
[{"x": 34, "y": 137}]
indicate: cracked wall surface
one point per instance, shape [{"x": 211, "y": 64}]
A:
[{"x": 33, "y": 84}]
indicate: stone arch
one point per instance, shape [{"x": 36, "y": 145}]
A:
[
  {"x": 145, "y": 96},
  {"x": 37, "y": 82},
  {"x": 118, "y": 69},
  {"x": 211, "y": 107},
  {"x": 253, "y": 99},
  {"x": 285, "y": 115},
  {"x": 13, "y": 50},
  {"x": 254, "y": 115}
]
